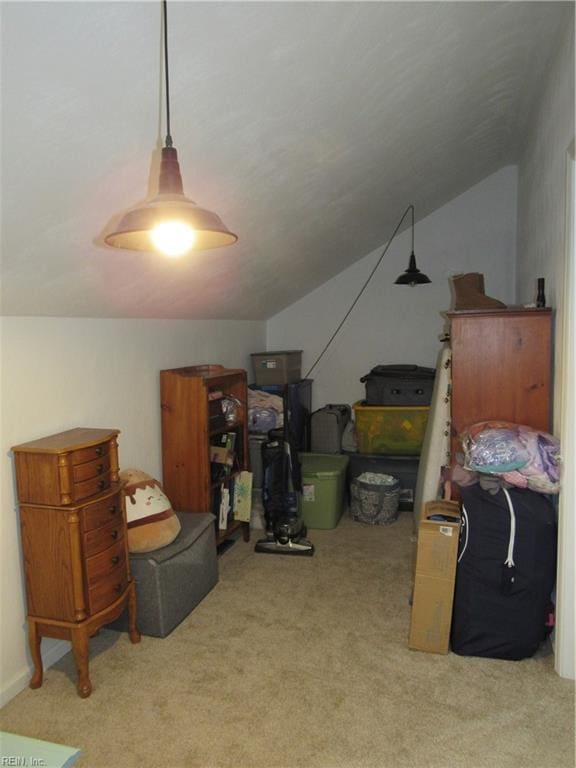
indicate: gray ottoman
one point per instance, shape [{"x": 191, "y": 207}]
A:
[{"x": 171, "y": 581}]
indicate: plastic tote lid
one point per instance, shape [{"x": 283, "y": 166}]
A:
[{"x": 323, "y": 464}]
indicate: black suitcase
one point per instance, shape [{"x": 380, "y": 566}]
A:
[
  {"x": 327, "y": 426},
  {"x": 505, "y": 575},
  {"x": 391, "y": 385}
]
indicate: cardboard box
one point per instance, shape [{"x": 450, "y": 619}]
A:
[
  {"x": 435, "y": 575},
  {"x": 442, "y": 507}
]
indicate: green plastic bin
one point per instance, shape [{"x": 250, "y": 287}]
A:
[{"x": 323, "y": 488}]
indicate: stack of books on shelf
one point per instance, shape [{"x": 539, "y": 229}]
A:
[
  {"x": 232, "y": 493},
  {"x": 222, "y": 456}
]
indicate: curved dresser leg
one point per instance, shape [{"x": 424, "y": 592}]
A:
[
  {"x": 133, "y": 633},
  {"x": 34, "y": 640},
  {"x": 80, "y": 649}
]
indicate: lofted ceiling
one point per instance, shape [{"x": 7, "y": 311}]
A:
[{"x": 308, "y": 127}]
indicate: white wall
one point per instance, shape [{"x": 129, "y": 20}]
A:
[
  {"x": 62, "y": 373},
  {"x": 543, "y": 251},
  {"x": 476, "y": 232},
  {"x": 542, "y": 179}
]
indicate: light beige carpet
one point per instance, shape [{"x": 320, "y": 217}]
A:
[{"x": 297, "y": 662}]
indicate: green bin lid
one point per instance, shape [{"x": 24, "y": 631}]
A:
[{"x": 323, "y": 463}]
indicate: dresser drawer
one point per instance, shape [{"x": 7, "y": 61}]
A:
[
  {"x": 107, "y": 590},
  {"x": 100, "y": 566},
  {"x": 101, "y": 513},
  {"x": 101, "y": 538},
  {"x": 91, "y": 487},
  {"x": 89, "y": 469},
  {"x": 67, "y": 467},
  {"x": 93, "y": 453}
]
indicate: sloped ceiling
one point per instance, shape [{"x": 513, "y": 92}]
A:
[{"x": 308, "y": 127}]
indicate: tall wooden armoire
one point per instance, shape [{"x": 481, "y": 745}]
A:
[{"x": 501, "y": 367}]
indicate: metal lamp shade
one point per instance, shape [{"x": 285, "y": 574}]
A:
[
  {"x": 412, "y": 276},
  {"x": 133, "y": 231}
]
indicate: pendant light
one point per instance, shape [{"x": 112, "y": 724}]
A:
[
  {"x": 169, "y": 222},
  {"x": 412, "y": 276}
]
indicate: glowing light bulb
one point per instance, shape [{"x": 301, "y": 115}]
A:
[{"x": 173, "y": 238}]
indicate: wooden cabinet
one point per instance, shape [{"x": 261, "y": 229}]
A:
[
  {"x": 50, "y": 471},
  {"x": 192, "y": 422},
  {"x": 501, "y": 367},
  {"x": 74, "y": 542}
]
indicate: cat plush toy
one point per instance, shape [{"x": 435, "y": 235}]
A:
[{"x": 152, "y": 523}]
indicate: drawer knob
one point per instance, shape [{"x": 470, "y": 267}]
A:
[
  {"x": 100, "y": 468},
  {"x": 115, "y": 560},
  {"x": 99, "y": 450},
  {"x": 102, "y": 484},
  {"x": 114, "y": 535},
  {"x": 118, "y": 588},
  {"x": 112, "y": 510}
]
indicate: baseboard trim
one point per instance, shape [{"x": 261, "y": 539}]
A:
[{"x": 20, "y": 681}]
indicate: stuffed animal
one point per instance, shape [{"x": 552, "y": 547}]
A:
[{"x": 152, "y": 523}]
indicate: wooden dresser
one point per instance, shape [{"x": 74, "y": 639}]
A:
[
  {"x": 74, "y": 542},
  {"x": 501, "y": 367}
]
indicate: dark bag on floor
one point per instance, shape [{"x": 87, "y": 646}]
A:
[{"x": 505, "y": 575}]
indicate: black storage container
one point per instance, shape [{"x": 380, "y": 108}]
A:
[
  {"x": 255, "y": 443},
  {"x": 505, "y": 575},
  {"x": 399, "y": 385},
  {"x": 297, "y": 399},
  {"x": 405, "y": 468}
]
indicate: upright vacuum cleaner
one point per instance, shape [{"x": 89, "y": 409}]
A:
[{"x": 281, "y": 487}]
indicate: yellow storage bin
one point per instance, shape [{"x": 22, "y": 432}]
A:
[{"x": 390, "y": 429}]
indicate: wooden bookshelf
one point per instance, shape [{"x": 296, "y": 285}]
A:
[{"x": 192, "y": 423}]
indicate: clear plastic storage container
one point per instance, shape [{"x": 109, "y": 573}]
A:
[{"x": 389, "y": 429}]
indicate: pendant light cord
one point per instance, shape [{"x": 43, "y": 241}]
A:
[
  {"x": 389, "y": 243},
  {"x": 166, "y": 74}
]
